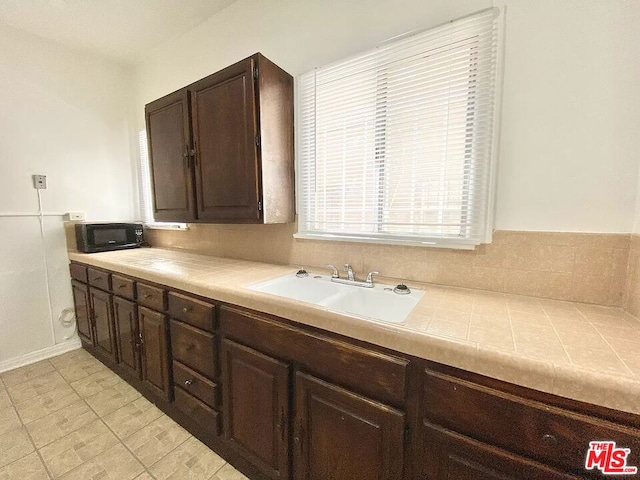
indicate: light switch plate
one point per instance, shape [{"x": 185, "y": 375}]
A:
[{"x": 40, "y": 182}]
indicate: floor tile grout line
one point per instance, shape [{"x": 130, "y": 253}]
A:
[
  {"x": 27, "y": 379},
  {"x": 173, "y": 449},
  {"x": 120, "y": 441},
  {"x": 37, "y": 451}
]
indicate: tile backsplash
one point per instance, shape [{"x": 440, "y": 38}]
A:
[
  {"x": 632, "y": 293},
  {"x": 582, "y": 267}
]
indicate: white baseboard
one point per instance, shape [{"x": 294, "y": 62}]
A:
[{"x": 38, "y": 355}]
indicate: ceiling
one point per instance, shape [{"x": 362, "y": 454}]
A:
[{"x": 123, "y": 30}]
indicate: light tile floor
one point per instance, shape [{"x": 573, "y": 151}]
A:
[{"x": 71, "y": 418}]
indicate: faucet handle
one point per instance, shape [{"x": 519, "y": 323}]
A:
[
  {"x": 370, "y": 276},
  {"x": 335, "y": 273}
]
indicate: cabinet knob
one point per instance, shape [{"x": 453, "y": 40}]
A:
[
  {"x": 549, "y": 440},
  {"x": 190, "y": 347},
  {"x": 186, "y": 310},
  {"x": 188, "y": 382}
]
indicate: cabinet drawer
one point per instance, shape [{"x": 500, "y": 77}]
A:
[
  {"x": 372, "y": 373},
  {"x": 193, "y": 347},
  {"x": 530, "y": 428},
  {"x": 200, "y": 413},
  {"x": 191, "y": 311},
  {"x": 195, "y": 384},
  {"x": 152, "y": 297},
  {"x": 99, "y": 278},
  {"x": 448, "y": 455},
  {"x": 78, "y": 272},
  {"x": 123, "y": 286}
]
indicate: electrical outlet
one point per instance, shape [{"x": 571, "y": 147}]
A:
[
  {"x": 40, "y": 182},
  {"x": 75, "y": 216}
]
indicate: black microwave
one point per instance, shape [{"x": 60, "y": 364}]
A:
[{"x": 104, "y": 237}]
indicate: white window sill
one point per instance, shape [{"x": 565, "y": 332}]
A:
[
  {"x": 166, "y": 226},
  {"x": 427, "y": 242}
]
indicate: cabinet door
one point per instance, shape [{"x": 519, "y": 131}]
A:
[
  {"x": 81, "y": 304},
  {"x": 154, "y": 329},
  {"x": 256, "y": 407},
  {"x": 126, "y": 326},
  {"x": 450, "y": 456},
  {"x": 225, "y": 139},
  {"x": 103, "y": 331},
  {"x": 168, "y": 135},
  {"x": 341, "y": 436}
]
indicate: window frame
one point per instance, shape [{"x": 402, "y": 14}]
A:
[{"x": 409, "y": 239}]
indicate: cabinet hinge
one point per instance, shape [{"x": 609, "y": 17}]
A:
[
  {"x": 259, "y": 206},
  {"x": 406, "y": 434},
  {"x": 257, "y": 140},
  {"x": 255, "y": 73}
]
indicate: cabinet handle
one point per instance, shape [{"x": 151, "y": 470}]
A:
[
  {"x": 299, "y": 438},
  {"x": 188, "y": 383},
  {"x": 549, "y": 440},
  {"x": 97, "y": 279},
  {"x": 186, "y": 310},
  {"x": 147, "y": 295},
  {"x": 124, "y": 285},
  {"x": 281, "y": 425}
]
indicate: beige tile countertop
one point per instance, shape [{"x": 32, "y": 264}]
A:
[{"x": 579, "y": 351}]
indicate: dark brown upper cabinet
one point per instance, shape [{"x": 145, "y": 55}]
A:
[
  {"x": 221, "y": 149},
  {"x": 170, "y": 152}
]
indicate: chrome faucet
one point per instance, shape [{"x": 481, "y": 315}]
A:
[{"x": 351, "y": 278}]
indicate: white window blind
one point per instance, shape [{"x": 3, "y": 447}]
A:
[{"x": 395, "y": 144}]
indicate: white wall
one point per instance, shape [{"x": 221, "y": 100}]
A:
[
  {"x": 569, "y": 139},
  {"x": 68, "y": 116}
]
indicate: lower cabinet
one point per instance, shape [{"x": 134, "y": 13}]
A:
[
  {"x": 125, "y": 319},
  {"x": 104, "y": 336},
  {"x": 154, "y": 328},
  {"x": 337, "y": 434},
  {"x": 340, "y": 435},
  {"x": 451, "y": 456},
  {"x": 82, "y": 305},
  {"x": 282, "y": 401},
  {"x": 256, "y": 407}
]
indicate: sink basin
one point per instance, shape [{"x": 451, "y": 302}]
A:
[
  {"x": 378, "y": 303},
  {"x": 305, "y": 289}
]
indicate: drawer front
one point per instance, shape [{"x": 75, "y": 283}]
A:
[
  {"x": 448, "y": 455},
  {"x": 123, "y": 286},
  {"x": 99, "y": 279},
  {"x": 78, "y": 272},
  {"x": 542, "y": 432},
  {"x": 152, "y": 297},
  {"x": 194, "y": 312},
  {"x": 194, "y": 383},
  {"x": 200, "y": 413},
  {"x": 193, "y": 347},
  {"x": 371, "y": 373}
]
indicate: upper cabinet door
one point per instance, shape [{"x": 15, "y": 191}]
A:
[
  {"x": 226, "y": 143},
  {"x": 170, "y": 155}
]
